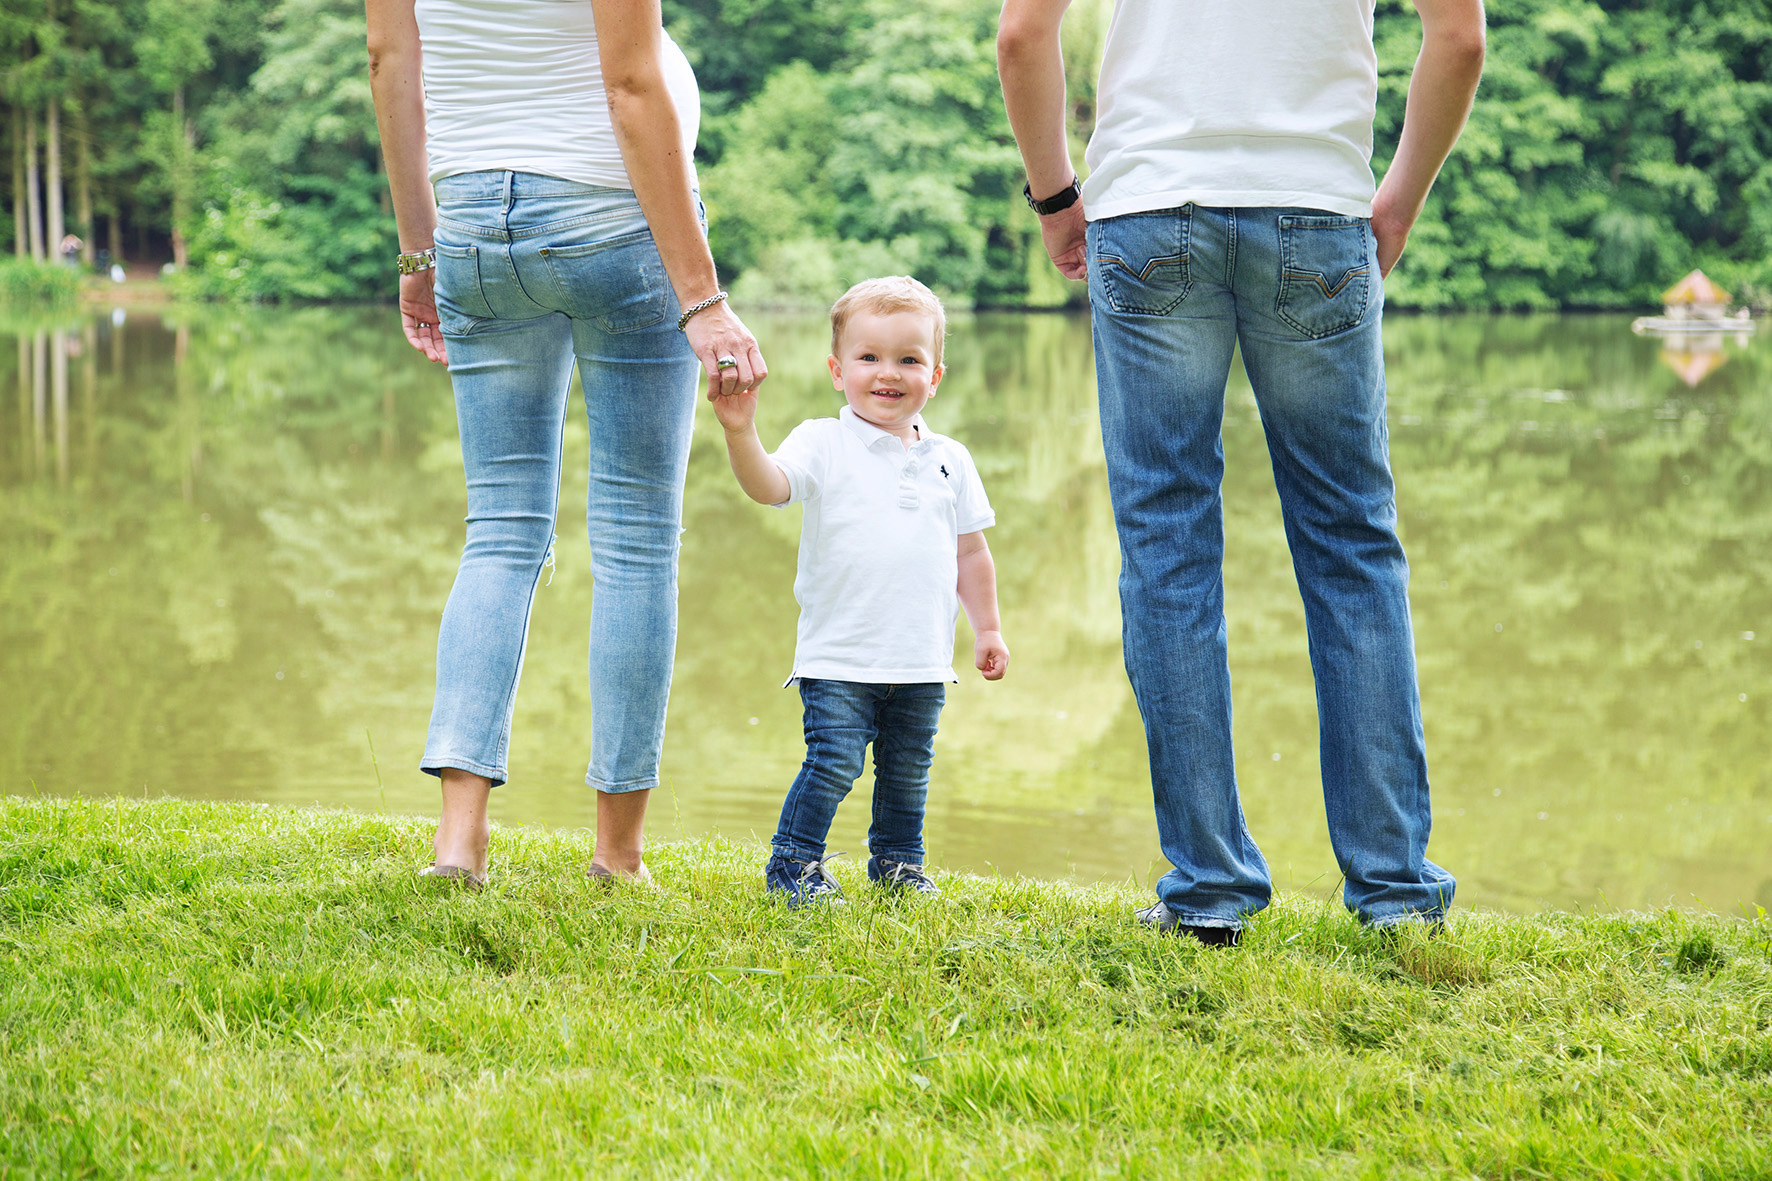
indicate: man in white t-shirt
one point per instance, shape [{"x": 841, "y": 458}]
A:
[
  {"x": 891, "y": 546},
  {"x": 1230, "y": 203}
]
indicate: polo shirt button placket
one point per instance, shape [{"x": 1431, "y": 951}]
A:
[{"x": 907, "y": 485}]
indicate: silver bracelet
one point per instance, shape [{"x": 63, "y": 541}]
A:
[
  {"x": 704, "y": 305},
  {"x": 418, "y": 260}
]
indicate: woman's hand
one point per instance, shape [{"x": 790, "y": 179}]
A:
[
  {"x": 418, "y": 314},
  {"x": 717, "y": 334}
]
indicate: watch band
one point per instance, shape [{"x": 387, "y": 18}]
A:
[
  {"x": 418, "y": 260},
  {"x": 1057, "y": 202}
]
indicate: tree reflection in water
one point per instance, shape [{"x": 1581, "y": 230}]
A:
[{"x": 229, "y": 532}]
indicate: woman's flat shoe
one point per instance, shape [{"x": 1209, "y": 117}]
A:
[
  {"x": 608, "y": 877},
  {"x": 455, "y": 874}
]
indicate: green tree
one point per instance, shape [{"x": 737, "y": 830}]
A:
[
  {"x": 1613, "y": 146},
  {"x": 296, "y": 194},
  {"x": 909, "y": 144}
]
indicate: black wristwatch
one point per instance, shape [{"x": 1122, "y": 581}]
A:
[{"x": 1061, "y": 200}]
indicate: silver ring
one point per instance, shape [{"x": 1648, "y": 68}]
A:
[{"x": 725, "y": 362}]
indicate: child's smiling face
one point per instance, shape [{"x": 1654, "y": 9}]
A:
[{"x": 886, "y": 368}]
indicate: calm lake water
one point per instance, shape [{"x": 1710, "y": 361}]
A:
[{"x": 228, "y": 534}]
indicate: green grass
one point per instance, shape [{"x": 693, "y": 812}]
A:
[
  {"x": 236, "y": 990},
  {"x": 38, "y": 284}
]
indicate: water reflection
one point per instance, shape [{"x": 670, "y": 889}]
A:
[
  {"x": 1694, "y": 357},
  {"x": 228, "y": 535}
]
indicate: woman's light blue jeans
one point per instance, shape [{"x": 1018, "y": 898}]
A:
[
  {"x": 534, "y": 274},
  {"x": 1172, "y": 292}
]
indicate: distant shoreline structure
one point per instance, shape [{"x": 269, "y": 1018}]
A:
[{"x": 1695, "y": 305}]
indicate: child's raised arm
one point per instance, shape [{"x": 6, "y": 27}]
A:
[
  {"x": 978, "y": 594},
  {"x": 757, "y": 474}
]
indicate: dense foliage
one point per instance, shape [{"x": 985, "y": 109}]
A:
[{"x": 1615, "y": 145}]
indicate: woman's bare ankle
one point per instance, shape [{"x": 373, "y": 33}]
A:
[
  {"x": 463, "y": 830},
  {"x": 621, "y": 827},
  {"x": 627, "y": 863},
  {"x": 467, "y": 849}
]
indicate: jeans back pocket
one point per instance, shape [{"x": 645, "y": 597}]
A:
[
  {"x": 1326, "y": 266},
  {"x": 619, "y": 282},
  {"x": 1140, "y": 261},
  {"x": 461, "y": 300}
]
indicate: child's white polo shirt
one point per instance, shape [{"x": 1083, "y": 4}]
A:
[{"x": 879, "y": 571}]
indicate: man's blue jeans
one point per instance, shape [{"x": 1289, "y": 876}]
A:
[
  {"x": 842, "y": 718},
  {"x": 1172, "y": 293},
  {"x": 536, "y": 274}
]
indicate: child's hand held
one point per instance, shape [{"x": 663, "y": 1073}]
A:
[{"x": 735, "y": 411}]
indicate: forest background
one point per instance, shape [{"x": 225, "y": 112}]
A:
[{"x": 1614, "y": 145}]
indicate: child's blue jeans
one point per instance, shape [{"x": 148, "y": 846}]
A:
[{"x": 842, "y": 718}]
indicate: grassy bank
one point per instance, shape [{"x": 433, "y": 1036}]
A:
[
  {"x": 28, "y": 284},
  {"x": 243, "y": 991}
]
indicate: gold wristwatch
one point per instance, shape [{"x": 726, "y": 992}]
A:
[{"x": 419, "y": 260}]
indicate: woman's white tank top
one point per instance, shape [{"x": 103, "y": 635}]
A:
[{"x": 517, "y": 84}]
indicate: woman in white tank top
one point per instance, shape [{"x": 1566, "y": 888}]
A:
[{"x": 539, "y": 159}]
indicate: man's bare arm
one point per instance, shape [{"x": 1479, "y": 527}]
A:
[
  {"x": 1440, "y": 93},
  {"x": 1030, "y": 62}
]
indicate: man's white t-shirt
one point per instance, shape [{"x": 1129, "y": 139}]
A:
[
  {"x": 1234, "y": 103},
  {"x": 879, "y": 571}
]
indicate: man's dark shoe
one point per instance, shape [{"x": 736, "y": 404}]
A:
[
  {"x": 803, "y": 882},
  {"x": 901, "y": 877},
  {"x": 1159, "y": 917},
  {"x": 1393, "y": 933}
]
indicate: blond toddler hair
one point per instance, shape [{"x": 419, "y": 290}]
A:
[{"x": 883, "y": 297}]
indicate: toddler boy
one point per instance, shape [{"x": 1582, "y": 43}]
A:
[{"x": 892, "y": 542}]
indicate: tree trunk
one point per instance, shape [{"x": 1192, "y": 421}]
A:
[
  {"x": 82, "y": 134},
  {"x": 114, "y": 235},
  {"x": 180, "y": 178},
  {"x": 52, "y": 144},
  {"x": 21, "y": 237},
  {"x": 33, "y": 206}
]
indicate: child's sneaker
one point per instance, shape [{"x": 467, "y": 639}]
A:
[
  {"x": 901, "y": 876},
  {"x": 803, "y": 881}
]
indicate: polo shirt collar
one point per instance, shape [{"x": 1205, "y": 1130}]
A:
[{"x": 871, "y": 435}]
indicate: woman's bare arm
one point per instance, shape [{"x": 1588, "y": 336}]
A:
[
  {"x": 397, "y": 85},
  {"x": 629, "y": 34}
]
